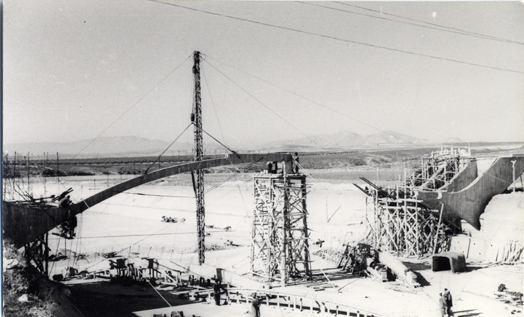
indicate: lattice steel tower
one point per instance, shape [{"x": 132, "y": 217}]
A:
[
  {"x": 280, "y": 247},
  {"x": 198, "y": 181}
]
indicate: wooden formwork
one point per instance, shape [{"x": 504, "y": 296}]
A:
[
  {"x": 438, "y": 169},
  {"x": 406, "y": 227}
]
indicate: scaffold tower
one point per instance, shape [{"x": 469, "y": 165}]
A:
[{"x": 280, "y": 248}]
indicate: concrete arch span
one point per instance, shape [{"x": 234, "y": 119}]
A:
[
  {"x": 470, "y": 201},
  {"x": 22, "y": 223}
]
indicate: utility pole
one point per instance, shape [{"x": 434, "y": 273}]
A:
[
  {"x": 57, "y": 171},
  {"x": 198, "y": 183},
  {"x": 27, "y": 165},
  {"x": 514, "y": 179},
  {"x": 5, "y": 176},
  {"x": 45, "y": 174},
  {"x": 14, "y": 175}
]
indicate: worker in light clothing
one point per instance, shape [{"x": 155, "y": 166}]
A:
[{"x": 442, "y": 305}]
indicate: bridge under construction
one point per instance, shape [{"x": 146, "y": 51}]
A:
[{"x": 417, "y": 219}]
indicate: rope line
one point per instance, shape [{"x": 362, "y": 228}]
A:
[
  {"x": 132, "y": 106},
  {"x": 341, "y": 39},
  {"x": 265, "y": 106},
  {"x": 230, "y": 150},
  {"x": 433, "y": 25},
  {"x": 128, "y": 247},
  {"x": 213, "y": 104},
  {"x": 318, "y": 104},
  {"x": 165, "y": 300},
  {"x": 442, "y": 27},
  {"x": 105, "y": 229},
  {"x": 142, "y": 235},
  {"x": 155, "y": 195},
  {"x": 158, "y": 158}
]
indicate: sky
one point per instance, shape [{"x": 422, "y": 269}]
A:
[{"x": 76, "y": 70}]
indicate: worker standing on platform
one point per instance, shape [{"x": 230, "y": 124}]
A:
[
  {"x": 71, "y": 224},
  {"x": 65, "y": 202},
  {"x": 217, "y": 289},
  {"x": 295, "y": 163},
  {"x": 255, "y": 305}
]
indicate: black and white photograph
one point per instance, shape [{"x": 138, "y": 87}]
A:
[{"x": 169, "y": 158}]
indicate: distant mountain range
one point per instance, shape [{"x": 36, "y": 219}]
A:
[
  {"x": 106, "y": 146},
  {"x": 137, "y": 146},
  {"x": 350, "y": 140}
]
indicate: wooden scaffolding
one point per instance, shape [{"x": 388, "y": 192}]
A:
[
  {"x": 279, "y": 248},
  {"x": 36, "y": 253},
  {"x": 406, "y": 227},
  {"x": 438, "y": 168}
]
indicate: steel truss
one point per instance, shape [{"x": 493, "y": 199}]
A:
[{"x": 279, "y": 248}]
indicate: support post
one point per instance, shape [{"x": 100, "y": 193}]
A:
[
  {"x": 27, "y": 167},
  {"x": 285, "y": 229},
  {"x": 514, "y": 179},
  {"x": 438, "y": 229},
  {"x": 46, "y": 254},
  {"x": 13, "y": 180},
  {"x": 4, "y": 176},
  {"x": 45, "y": 165},
  {"x": 307, "y": 267}
]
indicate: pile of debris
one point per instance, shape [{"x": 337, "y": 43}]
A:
[
  {"x": 509, "y": 297},
  {"x": 363, "y": 260}
]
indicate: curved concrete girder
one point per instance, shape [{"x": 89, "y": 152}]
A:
[
  {"x": 22, "y": 224},
  {"x": 463, "y": 178},
  {"x": 470, "y": 202}
]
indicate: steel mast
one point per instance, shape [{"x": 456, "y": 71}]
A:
[{"x": 198, "y": 183}]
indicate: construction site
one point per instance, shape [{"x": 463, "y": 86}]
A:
[
  {"x": 267, "y": 241},
  {"x": 397, "y": 244}
]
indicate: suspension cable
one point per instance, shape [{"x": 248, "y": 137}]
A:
[
  {"x": 225, "y": 146},
  {"x": 132, "y": 106},
  {"x": 158, "y": 158}
]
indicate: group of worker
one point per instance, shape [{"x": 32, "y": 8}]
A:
[
  {"x": 356, "y": 263},
  {"x": 255, "y": 303},
  {"x": 67, "y": 229},
  {"x": 272, "y": 167},
  {"x": 445, "y": 303}
]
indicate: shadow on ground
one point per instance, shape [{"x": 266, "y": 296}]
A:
[{"x": 103, "y": 298}]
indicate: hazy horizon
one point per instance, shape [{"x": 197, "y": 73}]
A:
[{"x": 210, "y": 141}]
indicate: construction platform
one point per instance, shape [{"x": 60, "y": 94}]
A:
[{"x": 340, "y": 296}]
